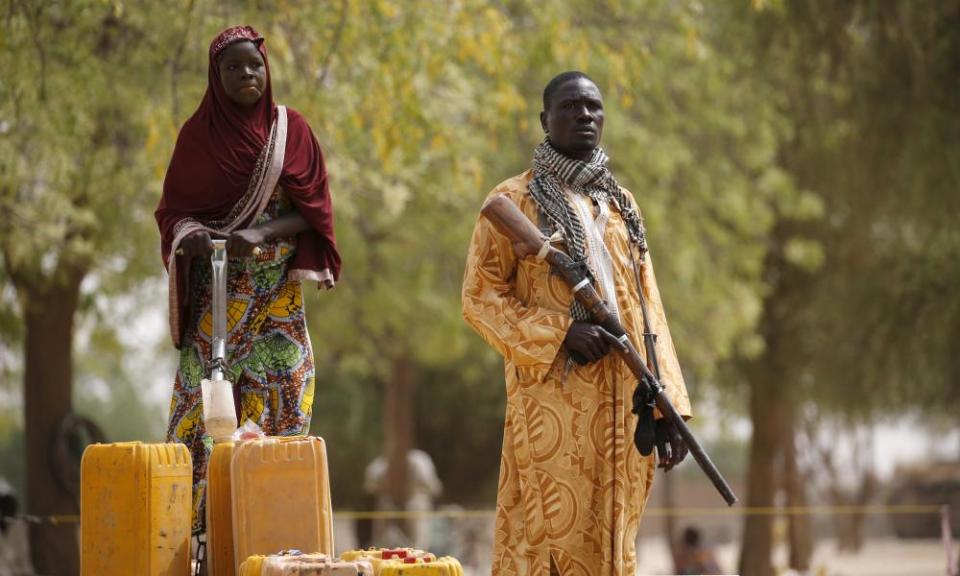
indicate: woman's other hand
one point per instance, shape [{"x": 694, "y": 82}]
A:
[
  {"x": 243, "y": 243},
  {"x": 196, "y": 244}
]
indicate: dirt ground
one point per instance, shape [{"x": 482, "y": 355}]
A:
[
  {"x": 886, "y": 556},
  {"x": 881, "y": 557}
]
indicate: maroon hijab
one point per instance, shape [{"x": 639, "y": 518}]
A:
[{"x": 215, "y": 157}]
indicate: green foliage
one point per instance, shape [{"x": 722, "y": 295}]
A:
[
  {"x": 346, "y": 415},
  {"x": 421, "y": 109},
  {"x": 74, "y": 186},
  {"x": 13, "y": 461},
  {"x": 871, "y": 92},
  {"x": 113, "y": 378},
  {"x": 826, "y": 129},
  {"x": 460, "y": 411},
  {"x": 76, "y": 189}
]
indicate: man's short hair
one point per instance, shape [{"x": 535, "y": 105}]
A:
[{"x": 560, "y": 80}]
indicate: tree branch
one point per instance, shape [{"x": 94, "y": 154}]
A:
[
  {"x": 176, "y": 65},
  {"x": 33, "y": 23},
  {"x": 335, "y": 44}
]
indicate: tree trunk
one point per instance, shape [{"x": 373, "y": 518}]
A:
[
  {"x": 799, "y": 527},
  {"x": 398, "y": 431},
  {"x": 761, "y": 484},
  {"x": 47, "y": 393},
  {"x": 669, "y": 522},
  {"x": 773, "y": 394}
]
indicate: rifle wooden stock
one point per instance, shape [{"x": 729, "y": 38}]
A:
[{"x": 528, "y": 240}]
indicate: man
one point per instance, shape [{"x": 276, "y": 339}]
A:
[
  {"x": 423, "y": 486},
  {"x": 572, "y": 484}
]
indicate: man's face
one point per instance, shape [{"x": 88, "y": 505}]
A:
[
  {"x": 574, "y": 121},
  {"x": 242, "y": 73}
]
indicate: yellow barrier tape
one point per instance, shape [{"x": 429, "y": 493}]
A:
[
  {"x": 794, "y": 510},
  {"x": 704, "y": 511},
  {"x": 412, "y": 514}
]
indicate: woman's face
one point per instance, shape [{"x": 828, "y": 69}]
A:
[{"x": 242, "y": 73}]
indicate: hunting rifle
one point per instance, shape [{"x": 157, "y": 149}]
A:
[{"x": 528, "y": 240}]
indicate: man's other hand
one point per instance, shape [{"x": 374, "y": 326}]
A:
[
  {"x": 671, "y": 449},
  {"x": 590, "y": 341}
]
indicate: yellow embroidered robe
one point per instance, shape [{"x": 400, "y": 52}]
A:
[{"x": 572, "y": 484}]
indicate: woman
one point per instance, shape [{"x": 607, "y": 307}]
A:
[{"x": 252, "y": 172}]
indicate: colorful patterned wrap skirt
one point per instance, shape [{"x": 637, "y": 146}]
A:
[{"x": 269, "y": 357}]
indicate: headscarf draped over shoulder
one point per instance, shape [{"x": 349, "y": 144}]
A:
[{"x": 216, "y": 156}]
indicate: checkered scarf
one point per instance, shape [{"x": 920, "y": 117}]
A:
[{"x": 551, "y": 172}]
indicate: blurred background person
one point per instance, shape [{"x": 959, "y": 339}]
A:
[
  {"x": 692, "y": 557},
  {"x": 423, "y": 487}
]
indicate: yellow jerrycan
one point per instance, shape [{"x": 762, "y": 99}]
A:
[
  {"x": 410, "y": 566},
  {"x": 135, "y": 507},
  {"x": 220, "y": 560},
  {"x": 281, "y": 497},
  {"x": 294, "y": 563}
]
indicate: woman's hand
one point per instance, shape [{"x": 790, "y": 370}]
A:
[
  {"x": 243, "y": 243},
  {"x": 196, "y": 244}
]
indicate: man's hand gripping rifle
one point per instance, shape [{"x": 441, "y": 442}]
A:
[{"x": 529, "y": 241}]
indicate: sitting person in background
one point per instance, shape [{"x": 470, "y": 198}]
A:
[
  {"x": 14, "y": 551},
  {"x": 8, "y": 511},
  {"x": 691, "y": 557}
]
